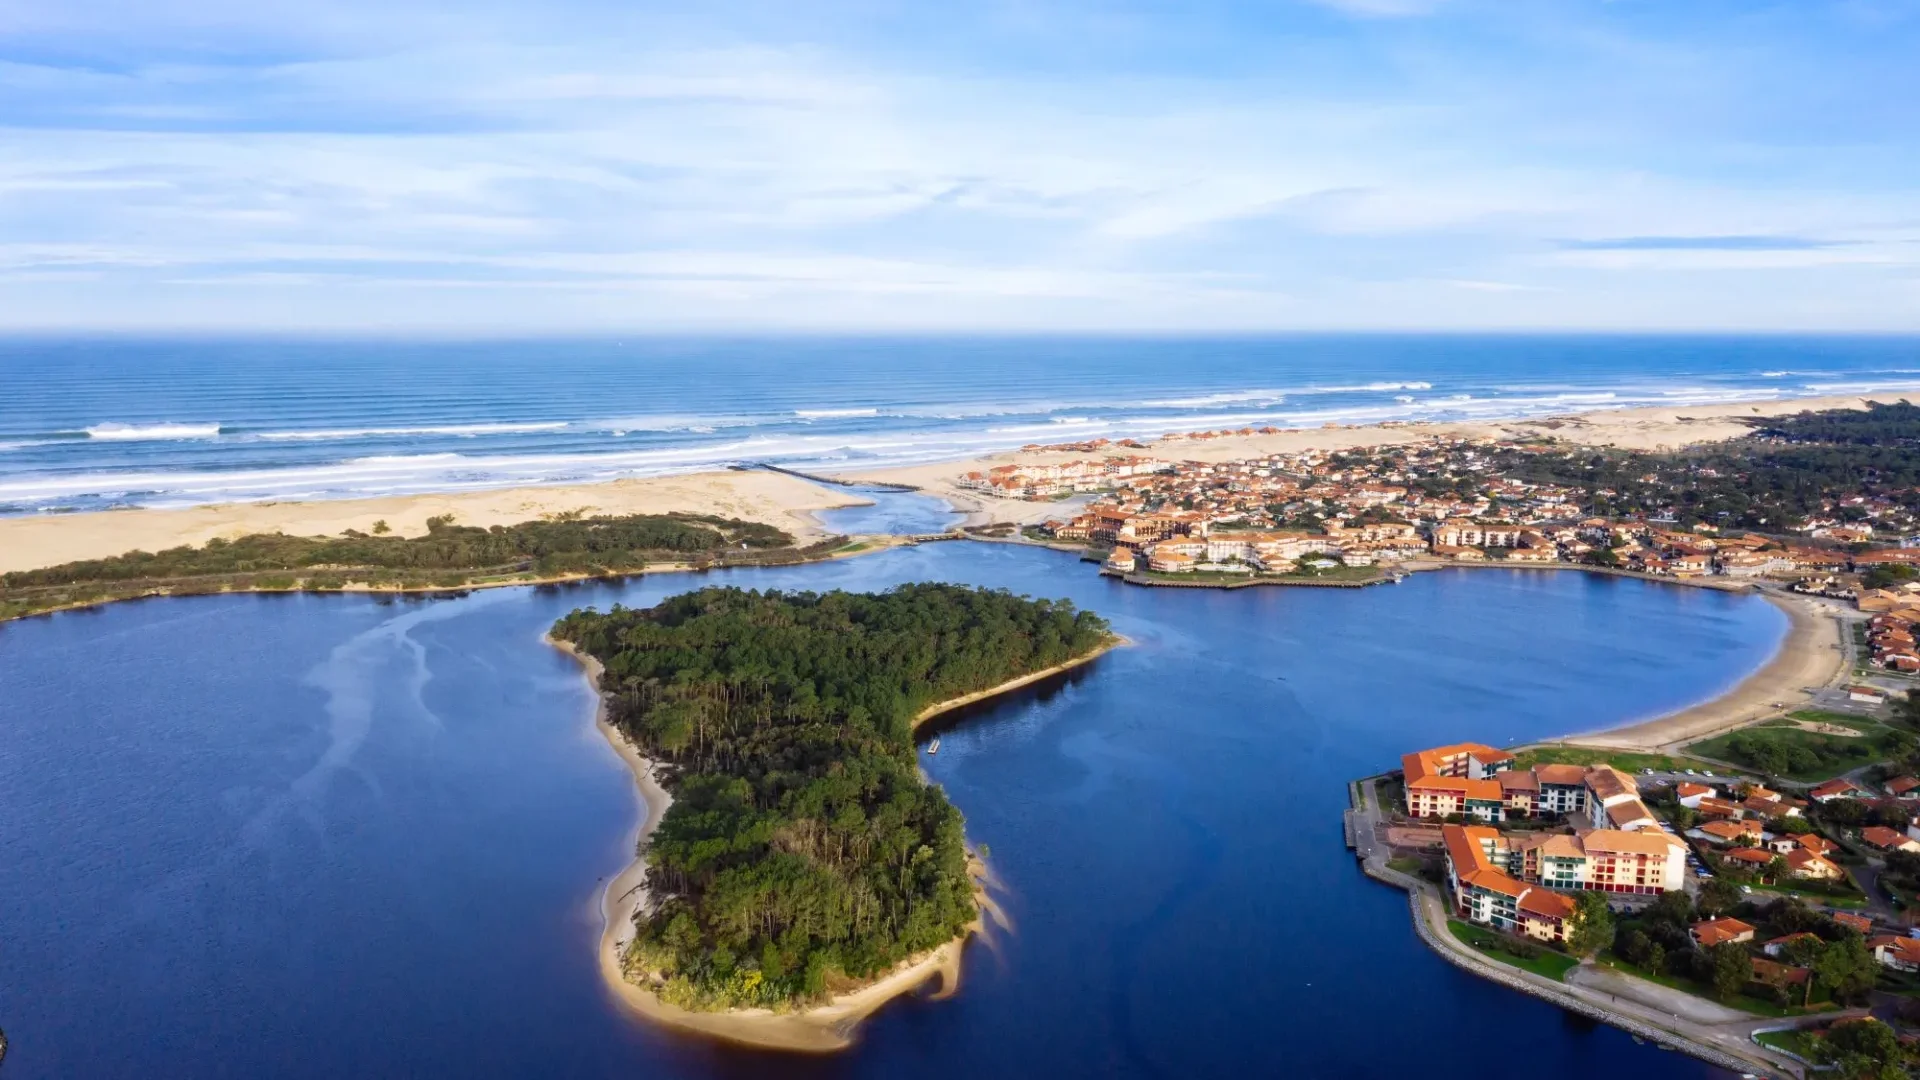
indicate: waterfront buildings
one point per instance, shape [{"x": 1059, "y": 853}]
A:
[{"x": 1446, "y": 498}]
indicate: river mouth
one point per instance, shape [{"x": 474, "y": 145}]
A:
[{"x": 245, "y": 851}]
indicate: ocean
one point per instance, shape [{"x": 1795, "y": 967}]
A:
[
  {"x": 323, "y": 836},
  {"x": 88, "y": 424}
]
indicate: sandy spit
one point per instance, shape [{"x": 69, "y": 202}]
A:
[
  {"x": 1028, "y": 679},
  {"x": 32, "y": 541},
  {"x": 822, "y": 1029}
]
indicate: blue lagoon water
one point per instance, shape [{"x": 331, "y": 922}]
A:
[
  {"x": 321, "y": 836},
  {"x": 114, "y": 422}
]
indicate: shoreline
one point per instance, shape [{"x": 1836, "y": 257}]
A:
[
  {"x": 938, "y": 708},
  {"x": 818, "y": 1030},
  {"x": 1810, "y": 655},
  {"x": 34, "y": 541}
]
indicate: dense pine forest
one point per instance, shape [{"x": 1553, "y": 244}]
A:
[
  {"x": 802, "y": 850},
  {"x": 449, "y": 555},
  {"x": 1791, "y": 468}
]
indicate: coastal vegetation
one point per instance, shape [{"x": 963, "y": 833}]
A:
[
  {"x": 1789, "y": 469},
  {"x": 1809, "y": 745},
  {"x": 802, "y": 853},
  {"x": 1514, "y": 951},
  {"x": 449, "y": 555},
  {"x": 1624, "y": 760},
  {"x": 1654, "y": 944}
]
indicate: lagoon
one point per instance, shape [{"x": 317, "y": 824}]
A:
[{"x": 340, "y": 835}]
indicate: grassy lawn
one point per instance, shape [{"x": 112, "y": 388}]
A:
[
  {"x": 1406, "y": 864},
  {"x": 848, "y": 549},
  {"x": 1744, "y": 1002},
  {"x": 1799, "y": 1043},
  {"x": 1619, "y": 759},
  {"x": 1550, "y": 964},
  {"x": 1781, "y": 748},
  {"x": 1829, "y": 899}
]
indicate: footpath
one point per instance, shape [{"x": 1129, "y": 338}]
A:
[{"x": 1670, "y": 1019}]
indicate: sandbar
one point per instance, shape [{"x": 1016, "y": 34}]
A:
[{"x": 32, "y": 541}]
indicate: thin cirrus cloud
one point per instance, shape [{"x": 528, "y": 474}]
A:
[
  {"x": 1699, "y": 243},
  {"x": 1325, "y": 163}
]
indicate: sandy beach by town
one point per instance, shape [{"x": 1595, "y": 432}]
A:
[{"x": 1810, "y": 655}]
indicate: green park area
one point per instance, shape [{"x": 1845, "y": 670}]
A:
[
  {"x": 1526, "y": 956},
  {"x": 1619, "y": 759},
  {"x": 1808, "y": 745}
]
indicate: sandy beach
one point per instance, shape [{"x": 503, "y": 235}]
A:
[
  {"x": 1644, "y": 429},
  {"x": 28, "y": 542},
  {"x": 1809, "y": 657},
  {"x": 822, "y": 1029},
  {"x": 1028, "y": 679}
]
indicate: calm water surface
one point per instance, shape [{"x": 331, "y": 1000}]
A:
[{"x": 331, "y": 836}]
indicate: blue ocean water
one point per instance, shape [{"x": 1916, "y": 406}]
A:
[
  {"x": 110, "y": 422},
  {"x": 323, "y": 836}
]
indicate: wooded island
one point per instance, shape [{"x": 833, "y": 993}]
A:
[{"x": 802, "y": 853}]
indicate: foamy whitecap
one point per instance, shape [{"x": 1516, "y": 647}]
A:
[
  {"x": 458, "y": 430},
  {"x": 131, "y": 432}
]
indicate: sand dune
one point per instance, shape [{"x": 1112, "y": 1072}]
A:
[{"x": 34, "y": 541}]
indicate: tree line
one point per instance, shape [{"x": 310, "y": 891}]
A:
[
  {"x": 448, "y": 556},
  {"x": 802, "y": 850}
]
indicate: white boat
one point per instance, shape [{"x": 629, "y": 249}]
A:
[{"x": 934, "y": 746}]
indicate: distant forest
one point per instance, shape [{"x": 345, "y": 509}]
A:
[
  {"x": 449, "y": 555},
  {"x": 1791, "y": 468},
  {"x": 802, "y": 849}
]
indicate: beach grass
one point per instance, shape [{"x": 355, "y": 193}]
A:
[
  {"x": 1624, "y": 760},
  {"x": 1548, "y": 964},
  {"x": 1781, "y": 747}
]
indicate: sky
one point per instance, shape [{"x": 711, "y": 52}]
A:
[{"x": 996, "y": 166}]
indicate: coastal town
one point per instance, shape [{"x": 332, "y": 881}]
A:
[
  {"x": 1363, "y": 516},
  {"x": 1746, "y": 920}
]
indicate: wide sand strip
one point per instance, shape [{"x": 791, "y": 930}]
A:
[
  {"x": 1811, "y": 656},
  {"x": 29, "y": 542},
  {"x": 1645, "y": 429}
]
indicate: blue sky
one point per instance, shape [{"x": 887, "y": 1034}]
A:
[{"x": 869, "y": 164}]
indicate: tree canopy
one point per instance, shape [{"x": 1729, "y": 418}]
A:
[
  {"x": 801, "y": 847},
  {"x": 448, "y": 556}
]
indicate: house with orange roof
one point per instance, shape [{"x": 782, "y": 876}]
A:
[
  {"x": 1779, "y": 945},
  {"x": 1860, "y": 924},
  {"x": 1842, "y": 788},
  {"x": 1753, "y": 858},
  {"x": 1802, "y": 863},
  {"x": 1898, "y": 953},
  {"x": 1689, "y": 794},
  {"x": 1720, "y": 808},
  {"x": 1887, "y": 839},
  {"x": 1904, "y": 787},
  {"x": 1720, "y": 931},
  {"x": 1729, "y": 832}
]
